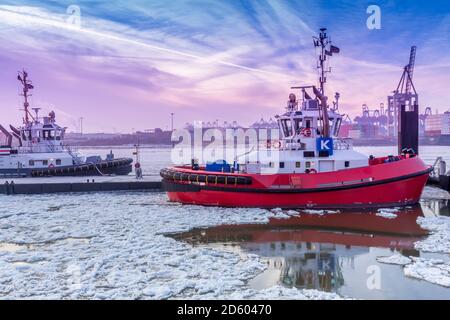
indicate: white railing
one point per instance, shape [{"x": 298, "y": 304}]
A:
[
  {"x": 342, "y": 144},
  {"x": 439, "y": 168},
  {"x": 73, "y": 153},
  {"x": 50, "y": 147}
]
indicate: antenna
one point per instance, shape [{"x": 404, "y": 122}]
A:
[
  {"x": 36, "y": 112},
  {"x": 26, "y": 84},
  {"x": 323, "y": 42},
  {"x": 337, "y": 95},
  {"x": 81, "y": 125}
]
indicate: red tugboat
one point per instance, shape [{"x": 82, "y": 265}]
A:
[{"x": 313, "y": 168}]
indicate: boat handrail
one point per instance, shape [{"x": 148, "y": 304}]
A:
[
  {"x": 439, "y": 168},
  {"x": 72, "y": 152},
  {"x": 343, "y": 143},
  {"x": 50, "y": 147}
]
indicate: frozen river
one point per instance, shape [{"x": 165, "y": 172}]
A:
[{"x": 138, "y": 246}]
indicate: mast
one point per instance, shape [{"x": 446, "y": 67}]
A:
[
  {"x": 323, "y": 42},
  {"x": 26, "y": 84}
]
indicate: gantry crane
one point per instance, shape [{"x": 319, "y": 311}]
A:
[{"x": 405, "y": 94}]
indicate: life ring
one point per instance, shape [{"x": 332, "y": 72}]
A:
[
  {"x": 306, "y": 132},
  {"x": 276, "y": 144},
  {"x": 311, "y": 171},
  {"x": 268, "y": 144}
]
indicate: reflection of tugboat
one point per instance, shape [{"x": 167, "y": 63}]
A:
[
  {"x": 40, "y": 149},
  {"x": 310, "y": 251},
  {"x": 310, "y": 167}
]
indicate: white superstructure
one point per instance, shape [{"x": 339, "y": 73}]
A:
[
  {"x": 37, "y": 147},
  {"x": 302, "y": 147}
]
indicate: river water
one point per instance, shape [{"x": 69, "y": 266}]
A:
[
  {"x": 336, "y": 252},
  {"x": 137, "y": 245}
]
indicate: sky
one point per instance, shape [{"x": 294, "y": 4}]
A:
[{"x": 127, "y": 65}]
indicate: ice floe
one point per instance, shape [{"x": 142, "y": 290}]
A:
[
  {"x": 439, "y": 239},
  {"x": 434, "y": 193},
  {"x": 396, "y": 258},
  {"x": 112, "y": 246},
  {"x": 431, "y": 270},
  {"x": 279, "y": 292},
  {"x": 388, "y": 213},
  {"x": 320, "y": 212}
]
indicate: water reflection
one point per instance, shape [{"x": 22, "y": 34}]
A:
[
  {"x": 327, "y": 252},
  {"x": 433, "y": 207}
]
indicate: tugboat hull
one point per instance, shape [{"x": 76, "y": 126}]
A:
[
  {"x": 105, "y": 167},
  {"x": 391, "y": 184}
]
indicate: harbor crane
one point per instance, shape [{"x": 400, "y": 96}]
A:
[
  {"x": 405, "y": 94},
  {"x": 410, "y": 66}
]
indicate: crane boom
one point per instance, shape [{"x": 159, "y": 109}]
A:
[{"x": 410, "y": 68}]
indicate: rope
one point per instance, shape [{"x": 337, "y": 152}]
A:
[{"x": 95, "y": 166}]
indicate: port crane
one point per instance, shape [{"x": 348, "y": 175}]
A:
[
  {"x": 422, "y": 118},
  {"x": 372, "y": 123},
  {"x": 405, "y": 94},
  {"x": 410, "y": 66}
]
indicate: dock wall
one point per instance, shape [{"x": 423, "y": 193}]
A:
[{"x": 40, "y": 188}]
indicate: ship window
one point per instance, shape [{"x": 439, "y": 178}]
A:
[
  {"x": 287, "y": 127},
  {"x": 347, "y": 164},
  {"x": 308, "y": 164},
  {"x": 26, "y": 135},
  {"x": 308, "y": 123},
  {"x": 298, "y": 164},
  {"x": 58, "y": 162},
  {"x": 271, "y": 164},
  {"x": 45, "y": 162},
  {"x": 337, "y": 126},
  {"x": 31, "y": 163},
  {"x": 48, "y": 134},
  {"x": 297, "y": 125},
  {"x": 281, "y": 165}
]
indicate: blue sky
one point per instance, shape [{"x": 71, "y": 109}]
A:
[{"x": 213, "y": 59}]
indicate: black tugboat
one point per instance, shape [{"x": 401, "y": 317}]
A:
[{"x": 37, "y": 148}]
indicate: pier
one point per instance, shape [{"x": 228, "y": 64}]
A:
[
  {"x": 79, "y": 184},
  {"x": 440, "y": 177}
]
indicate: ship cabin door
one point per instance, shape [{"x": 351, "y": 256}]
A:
[
  {"x": 326, "y": 165},
  {"x": 308, "y": 123}
]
